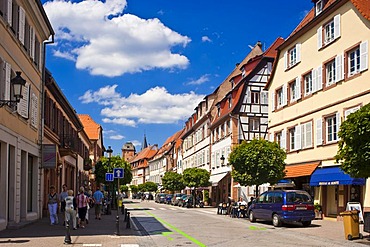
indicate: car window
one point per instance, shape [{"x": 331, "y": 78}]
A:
[
  {"x": 269, "y": 197},
  {"x": 278, "y": 197},
  {"x": 261, "y": 198},
  {"x": 298, "y": 197}
]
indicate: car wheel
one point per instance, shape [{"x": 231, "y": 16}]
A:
[
  {"x": 306, "y": 223},
  {"x": 360, "y": 236},
  {"x": 251, "y": 217},
  {"x": 276, "y": 220}
]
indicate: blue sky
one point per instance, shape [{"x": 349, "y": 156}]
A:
[{"x": 141, "y": 66}]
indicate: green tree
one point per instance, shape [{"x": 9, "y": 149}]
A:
[
  {"x": 354, "y": 144},
  {"x": 257, "y": 162},
  {"x": 106, "y": 165},
  {"x": 195, "y": 178},
  {"x": 124, "y": 188},
  {"x": 151, "y": 186},
  {"x": 141, "y": 187},
  {"x": 134, "y": 188},
  {"x": 173, "y": 181}
]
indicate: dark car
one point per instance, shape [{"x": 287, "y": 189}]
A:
[
  {"x": 175, "y": 199},
  {"x": 168, "y": 198},
  {"x": 184, "y": 201},
  {"x": 283, "y": 206},
  {"x": 160, "y": 198}
]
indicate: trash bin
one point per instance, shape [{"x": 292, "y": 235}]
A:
[
  {"x": 367, "y": 222},
  {"x": 351, "y": 224}
]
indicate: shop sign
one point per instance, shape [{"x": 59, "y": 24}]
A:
[
  {"x": 49, "y": 154},
  {"x": 329, "y": 183}
]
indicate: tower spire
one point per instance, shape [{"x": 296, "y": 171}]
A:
[{"x": 145, "y": 144}]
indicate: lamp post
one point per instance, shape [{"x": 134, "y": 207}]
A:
[
  {"x": 109, "y": 152},
  {"x": 222, "y": 160},
  {"x": 16, "y": 85}
]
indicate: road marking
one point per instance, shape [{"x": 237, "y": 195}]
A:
[
  {"x": 90, "y": 245},
  {"x": 129, "y": 245},
  {"x": 162, "y": 208},
  {"x": 195, "y": 241}
]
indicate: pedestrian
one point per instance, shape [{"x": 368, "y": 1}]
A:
[
  {"x": 53, "y": 201},
  {"x": 242, "y": 207},
  {"x": 98, "y": 201},
  {"x": 70, "y": 209},
  {"x": 62, "y": 198},
  {"x": 88, "y": 194},
  {"x": 82, "y": 202}
]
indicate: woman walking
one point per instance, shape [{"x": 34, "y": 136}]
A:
[
  {"x": 53, "y": 201},
  {"x": 70, "y": 209},
  {"x": 82, "y": 201}
]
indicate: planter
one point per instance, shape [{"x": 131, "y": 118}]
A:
[{"x": 318, "y": 215}]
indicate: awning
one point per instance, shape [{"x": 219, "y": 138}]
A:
[
  {"x": 333, "y": 176},
  {"x": 301, "y": 170},
  {"x": 214, "y": 179}
]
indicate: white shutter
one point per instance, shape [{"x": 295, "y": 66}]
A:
[
  {"x": 34, "y": 110},
  {"x": 8, "y": 72},
  {"x": 337, "y": 116},
  {"x": 10, "y": 12},
  {"x": 319, "y": 38},
  {"x": 32, "y": 43},
  {"x": 314, "y": 80},
  {"x": 272, "y": 101},
  {"x": 285, "y": 94},
  {"x": 297, "y": 137},
  {"x": 337, "y": 26},
  {"x": 318, "y": 132},
  {"x": 22, "y": 24},
  {"x": 283, "y": 139},
  {"x": 303, "y": 136},
  {"x": 285, "y": 59},
  {"x": 298, "y": 50},
  {"x": 271, "y": 137},
  {"x": 24, "y": 103},
  {"x": 339, "y": 68},
  {"x": 264, "y": 97},
  {"x": 319, "y": 78},
  {"x": 298, "y": 87},
  {"x": 364, "y": 59},
  {"x": 248, "y": 95}
]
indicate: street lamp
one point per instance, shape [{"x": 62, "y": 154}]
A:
[
  {"x": 16, "y": 85},
  {"x": 222, "y": 160},
  {"x": 109, "y": 151}
]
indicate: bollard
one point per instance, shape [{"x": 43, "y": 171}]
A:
[
  {"x": 125, "y": 218},
  {"x": 117, "y": 225},
  {"x": 128, "y": 220},
  {"x": 67, "y": 238},
  {"x": 123, "y": 209}
]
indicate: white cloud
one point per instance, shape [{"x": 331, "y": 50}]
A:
[
  {"x": 104, "y": 41},
  {"x": 206, "y": 39},
  {"x": 136, "y": 143},
  {"x": 201, "y": 80},
  {"x": 65, "y": 55},
  {"x": 156, "y": 105},
  {"x": 116, "y": 137}
]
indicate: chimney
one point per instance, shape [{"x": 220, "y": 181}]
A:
[
  {"x": 259, "y": 43},
  {"x": 237, "y": 64}
]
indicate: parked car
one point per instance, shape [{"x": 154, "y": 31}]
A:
[
  {"x": 168, "y": 199},
  {"x": 175, "y": 199},
  {"x": 283, "y": 206},
  {"x": 160, "y": 197},
  {"x": 184, "y": 200}
]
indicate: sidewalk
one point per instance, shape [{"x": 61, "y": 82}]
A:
[{"x": 97, "y": 233}]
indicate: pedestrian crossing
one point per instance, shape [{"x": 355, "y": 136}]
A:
[{"x": 182, "y": 209}]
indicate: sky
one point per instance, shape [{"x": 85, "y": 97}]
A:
[{"x": 140, "y": 67}]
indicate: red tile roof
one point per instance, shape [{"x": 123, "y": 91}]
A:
[
  {"x": 91, "y": 128},
  {"x": 294, "y": 171}
]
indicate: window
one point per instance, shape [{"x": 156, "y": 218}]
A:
[
  {"x": 330, "y": 73},
  {"x": 254, "y": 124},
  {"x": 292, "y": 136},
  {"x": 292, "y": 56},
  {"x": 354, "y": 61},
  {"x": 230, "y": 102},
  {"x": 295, "y": 90},
  {"x": 255, "y": 96},
  {"x": 329, "y": 32},
  {"x": 307, "y": 84},
  {"x": 332, "y": 127},
  {"x": 319, "y": 6},
  {"x": 281, "y": 138},
  {"x": 349, "y": 111},
  {"x": 280, "y": 98},
  {"x": 264, "y": 98},
  {"x": 218, "y": 110},
  {"x": 306, "y": 135}
]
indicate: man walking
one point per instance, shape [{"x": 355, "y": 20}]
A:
[
  {"x": 98, "y": 199},
  {"x": 63, "y": 195}
]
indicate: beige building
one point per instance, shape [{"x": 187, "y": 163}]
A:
[
  {"x": 320, "y": 77},
  {"x": 23, "y": 29}
]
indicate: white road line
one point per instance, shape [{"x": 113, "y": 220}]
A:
[
  {"x": 129, "y": 245},
  {"x": 91, "y": 245},
  {"x": 162, "y": 208}
]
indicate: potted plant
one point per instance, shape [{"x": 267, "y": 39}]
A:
[
  {"x": 206, "y": 197},
  {"x": 318, "y": 211}
]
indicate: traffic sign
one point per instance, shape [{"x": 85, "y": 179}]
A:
[
  {"x": 109, "y": 177},
  {"x": 118, "y": 172}
]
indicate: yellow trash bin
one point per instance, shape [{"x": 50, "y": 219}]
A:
[{"x": 351, "y": 224}]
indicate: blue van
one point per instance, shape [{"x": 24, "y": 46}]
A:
[{"x": 283, "y": 206}]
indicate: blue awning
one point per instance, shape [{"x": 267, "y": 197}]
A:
[{"x": 333, "y": 176}]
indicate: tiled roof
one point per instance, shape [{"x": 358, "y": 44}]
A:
[
  {"x": 91, "y": 128},
  {"x": 146, "y": 153},
  {"x": 170, "y": 142},
  {"x": 363, "y": 7},
  {"x": 294, "y": 171}
]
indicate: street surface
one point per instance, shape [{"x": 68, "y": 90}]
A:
[{"x": 160, "y": 225}]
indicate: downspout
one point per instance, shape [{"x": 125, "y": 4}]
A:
[{"x": 41, "y": 123}]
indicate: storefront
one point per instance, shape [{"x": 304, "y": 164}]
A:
[{"x": 333, "y": 189}]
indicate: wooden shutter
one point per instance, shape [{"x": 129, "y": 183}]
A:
[
  {"x": 314, "y": 80},
  {"x": 319, "y": 78},
  {"x": 34, "y": 110},
  {"x": 364, "y": 61},
  {"x": 10, "y": 12},
  {"x": 8, "y": 72},
  {"x": 285, "y": 94},
  {"x": 319, "y": 38},
  {"x": 24, "y": 103},
  {"x": 318, "y": 132},
  {"x": 32, "y": 43},
  {"x": 337, "y": 116},
  {"x": 298, "y": 52},
  {"x": 298, "y": 88},
  {"x": 337, "y": 26},
  {"x": 283, "y": 139},
  {"x": 298, "y": 141},
  {"x": 22, "y": 24},
  {"x": 339, "y": 68},
  {"x": 272, "y": 101},
  {"x": 285, "y": 59}
]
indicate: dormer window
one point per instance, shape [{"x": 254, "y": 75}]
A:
[
  {"x": 319, "y": 5},
  {"x": 230, "y": 101},
  {"x": 232, "y": 83},
  {"x": 243, "y": 72},
  {"x": 218, "y": 110}
]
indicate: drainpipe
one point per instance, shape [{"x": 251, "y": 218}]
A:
[{"x": 41, "y": 123}]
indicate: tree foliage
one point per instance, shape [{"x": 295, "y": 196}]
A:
[
  {"x": 151, "y": 186},
  {"x": 106, "y": 165},
  {"x": 124, "y": 188},
  {"x": 141, "y": 187},
  {"x": 173, "y": 181},
  {"x": 257, "y": 162},
  {"x": 134, "y": 188},
  {"x": 196, "y": 177},
  {"x": 354, "y": 144}
]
